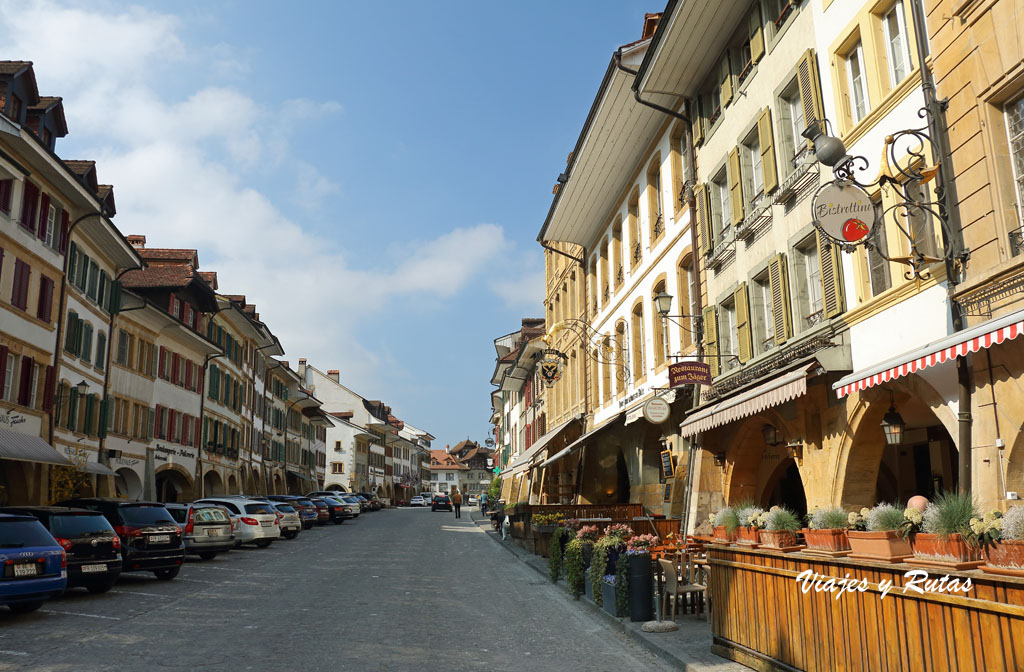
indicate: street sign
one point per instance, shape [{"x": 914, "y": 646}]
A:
[
  {"x": 657, "y": 410},
  {"x": 843, "y": 212},
  {"x": 689, "y": 373}
]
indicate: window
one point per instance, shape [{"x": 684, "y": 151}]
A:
[
  {"x": 44, "y": 310},
  {"x": 9, "y": 367},
  {"x": 337, "y": 446},
  {"x": 752, "y": 172},
  {"x": 1014, "y": 112},
  {"x": 688, "y": 301},
  {"x": 450, "y": 476},
  {"x": 605, "y": 292},
  {"x": 6, "y": 187},
  {"x": 808, "y": 275},
  {"x": 721, "y": 210},
  {"x": 857, "y": 82},
  {"x": 606, "y": 370},
  {"x": 621, "y": 355},
  {"x": 101, "y": 291},
  {"x": 86, "y": 352},
  {"x": 617, "y": 252},
  {"x": 122, "y": 347},
  {"x": 897, "y": 50},
  {"x": 727, "y": 337},
  {"x": 337, "y": 468},
  {"x": 637, "y": 328},
  {"x": 792, "y": 120},
  {"x": 777, "y": 13},
  {"x": 176, "y": 311},
  {"x": 878, "y": 266},
  {"x": 633, "y": 216},
  {"x": 761, "y": 314},
  {"x": 50, "y": 223},
  {"x": 29, "y": 203},
  {"x": 655, "y": 206},
  {"x": 676, "y": 165},
  {"x": 19, "y": 289}
]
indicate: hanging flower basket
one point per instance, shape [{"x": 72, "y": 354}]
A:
[
  {"x": 1005, "y": 557},
  {"x": 834, "y": 543},
  {"x": 945, "y": 551},
  {"x": 884, "y": 546}
]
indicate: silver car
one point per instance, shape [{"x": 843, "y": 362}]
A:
[
  {"x": 259, "y": 523},
  {"x": 291, "y": 522},
  {"x": 205, "y": 528}
]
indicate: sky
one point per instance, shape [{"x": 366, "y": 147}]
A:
[{"x": 371, "y": 175}]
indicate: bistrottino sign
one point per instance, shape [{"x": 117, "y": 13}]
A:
[{"x": 843, "y": 212}]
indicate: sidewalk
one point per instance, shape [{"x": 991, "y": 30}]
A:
[{"x": 689, "y": 647}]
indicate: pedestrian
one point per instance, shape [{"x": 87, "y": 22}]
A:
[
  {"x": 483, "y": 504},
  {"x": 457, "y": 503}
]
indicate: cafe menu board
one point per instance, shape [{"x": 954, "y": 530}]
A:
[
  {"x": 668, "y": 467},
  {"x": 668, "y": 491}
]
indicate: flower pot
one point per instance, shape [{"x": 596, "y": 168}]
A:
[
  {"x": 608, "y": 597},
  {"x": 1005, "y": 557},
  {"x": 613, "y": 559},
  {"x": 544, "y": 529},
  {"x": 833, "y": 543},
  {"x": 748, "y": 536},
  {"x": 641, "y": 588},
  {"x": 886, "y": 546},
  {"x": 723, "y": 537},
  {"x": 588, "y": 553},
  {"x": 588, "y": 589},
  {"x": 778, "y": 540},
  {"x": 945, "y": 551}
]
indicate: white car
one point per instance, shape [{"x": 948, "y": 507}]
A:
[
  {"x": 291, "y": 523},
  {"x": 258, "y": 522},
  {"x": 473, "y": 501},
  {"x": 417, "y": 501}
]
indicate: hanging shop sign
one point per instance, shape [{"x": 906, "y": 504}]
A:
[
  {"x": 668, "y": 464},
  {"x": 689, "y": 373},
  {"x": 550, "y": 366},
  {"x": 844, "y": 212},
  {"x": 657, "y": 410}
]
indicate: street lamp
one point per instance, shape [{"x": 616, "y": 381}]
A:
[
  {"x": 827, "y": 149},
  {"x": 771, "y": 435},
  {"x": 82, "y": 388},
  {"x": 892, "y": 424},
  {"x": 663, "y": 303}
]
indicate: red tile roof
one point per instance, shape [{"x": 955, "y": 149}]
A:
[
  {"x": 158, "y": 276},
  {"x": 79, "y": 167},
  {"x": 168, "y": 254}
]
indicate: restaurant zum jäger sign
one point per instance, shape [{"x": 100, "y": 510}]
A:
[{"x": 689, "y": 373}]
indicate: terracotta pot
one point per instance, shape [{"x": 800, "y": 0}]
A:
[
  {"x": 723, "y": 537},
  {"x": 886, "y": 546},
  {"x": 949, "y": 549},
  {"x": 748, "y": 535},
  {"x": 777, "y": 539},
  {"x": 1008, "y": 555},
  {"x": 826, "y": 540}
]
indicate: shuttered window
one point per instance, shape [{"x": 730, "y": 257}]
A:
[
  {"x": 743, "y": 332},
  {"x": 85, "y": 351},
  {"x": 101, "y": 350},
  {"x": 766, "y": 143},
  {"x": 778, "y": 277},
  {"x": 711, "y": 338},
  {"x": 831, "y": 274},
  {"x": 810, "y": 89},
  {"x": 19, "y": 289},
  {"x": 735, "y": 188},
  {"x": 878, "y": 265},
  {"x": 71, "y": 337},
  {"x": 29, "y": 205},
  {"x": 44, "y": 310},
  {"x": 726, "y": 79},
  {"x": 707, "y": 242},
  {"x": 756, "y": 40}
]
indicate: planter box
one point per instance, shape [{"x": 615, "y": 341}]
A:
[
  {"x": 588, "y": 589},
  {"x": 883, "y": 546},
  {"x": 608, "y": 597},
  {"x": 748, "y": 536},
  {"x": 779, "y": 540},
  {"x": 545, "y": 529},
  {"x": 944, "y": 552},
  {"x": 833, "y": 543},
  {"x": 723, "y": 537},
  {"x": 1005, "y": 557}
]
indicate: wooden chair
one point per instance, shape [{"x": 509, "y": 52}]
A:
[{"x": 674, "y": 587}]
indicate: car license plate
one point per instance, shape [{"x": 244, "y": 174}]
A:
[
  {"x": 213, "y": 532},
  {"x": 159, "y": 538},
  {"x": 267, "y": 523},
  {"x": 94, "y": 568},
  {"x": 26, "y": 569}
]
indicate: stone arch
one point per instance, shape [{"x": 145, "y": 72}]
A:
[
  {"x": 127, "y": 483},
  {"x": 332, "y": 485},
  {"x": 232, "y": 484},
  {"x": 277, "y": 484},
  {"x": 173, "y": 484},
  {"x": 744, "y": 450},
  {"x": 213, "y": 484},
  {"x": 253, "y": 480}
]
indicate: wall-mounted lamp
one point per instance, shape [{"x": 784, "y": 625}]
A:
[
  {"x": 796, "y": 451},
  {"x": 892, "y": 424},
  {"x": 719, "y": 459},
  {"x": 771, "y": 435}
]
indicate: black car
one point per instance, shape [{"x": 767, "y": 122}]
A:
[
  {"x": 150, "y": 539},
  {"x": 92, "y": 546},
  {"x": 364, "y": 503},
  {"x": 335, "y": 508},
  {"x": 374, "y": 500},
  {"x": 441, "y": 502}
]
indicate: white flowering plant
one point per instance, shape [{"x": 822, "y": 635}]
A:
[
  {"x": 1011, "y": 524},
  {"x": 749, "y": 515}
]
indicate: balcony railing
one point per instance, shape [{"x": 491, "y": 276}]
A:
[
  {"x": 1016, "y": 242},
  {"x": 816, "y": 317},
  {"x": 638, "y": 251},
  {"x": 619, "y": 277},
  {"x": 659, "y": 226}
]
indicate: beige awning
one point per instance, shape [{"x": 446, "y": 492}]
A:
[
  {"x": 27, "y": 448},
  {"x": 97, "y": 468},
  {"x": 527, "y": 457},
  {"x": 751, "y": 402}
]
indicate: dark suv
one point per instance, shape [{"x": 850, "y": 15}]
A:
[
  {"x": 150, "y": 539},
  {"x": 93, "y": 548},
  {"x": 441, "y": 502}
]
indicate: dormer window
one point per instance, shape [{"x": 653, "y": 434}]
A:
[{"x": 47, "y": 138}]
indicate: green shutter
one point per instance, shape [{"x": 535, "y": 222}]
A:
[
  {"x": 831, "y": 277},
  {"x": 735, "y": 187},
  {"x": 711, "y": 338},
  {"x": 114, "y": 304}
]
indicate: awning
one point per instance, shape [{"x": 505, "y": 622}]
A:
[
  {"x": 964, "y": 342},
  {"x": 97, "y": 468},
  {"x": 27, "y": 448},
  {"x": 751, "y": 402},
  {"x": 523, "y": 461},
  {"x": 578, "y": 443}
]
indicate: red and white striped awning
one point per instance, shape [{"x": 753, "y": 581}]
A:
[{"x": 962, "y": 343}]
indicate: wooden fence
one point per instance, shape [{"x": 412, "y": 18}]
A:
[{"x": 763, "y": 619}]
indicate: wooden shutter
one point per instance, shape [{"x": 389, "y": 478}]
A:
[
  {"x": 44, "y": 216},
  {"x": 743, "y": 322},
  {"x": 45, "y": 299},
  {"x": 831, "y": 277},
  {"x": 696, "y": 123},
  {"x": 700, "y": 195},
  {"x": 188, "y": 375},
  {"x": 766, "y": 139},
  {"x": 163, "y": 362},
  {"x": 28, "y": 204},
  {"x": 777, "y": 277},
  {"x": 175, "y": 360},
  {"x": 711, "y": 338},
  {"x": 735, "y": 187},
  {"x": 756, "y": 34},
  {"x": 16, "y": 286},
  {"x": 810, "y": 89},
  {"x": 25, "y": 384},
  {"x": 90, "y": 409},
  {"x": 725, "y": 76},
  {"x": 106, "y": 410},
  {"x": 64, "y": 218},
  {"x": 114, "y": 305},
  {"x": 50, "y": 380},
  {"x": 4, "y": 351}
]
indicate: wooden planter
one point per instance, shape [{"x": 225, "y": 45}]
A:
[
  {"x": 1005, "y": 557},
  {"x": 885, "y": 546},
  {"x": 945, "y": 552},
  {"x": 833, "y": 543},
  {"x": 723, "y": 537},
  {"x": 779, "y": 540},
  {"x": 748, "y": 536}
]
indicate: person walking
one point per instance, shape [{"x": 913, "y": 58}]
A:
[
  {"x": 483, "y": 504},
  {"x": 457, "y": 503}
]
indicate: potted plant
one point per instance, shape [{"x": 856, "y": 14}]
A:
[
  {"x": 601, "y": 564},
  {"x": 623, "y": 533},
  {"x": 546, "y": 523},
  {"x": 779, "y": 528},
  {"x": 575, "y": 568},
  {"x": 725, "y": 523},
  {"x": 607, "y": 601},
  {"x": 587, "y": 536},
  {"x": 555, "y": 551},
  {"x": 826, "y": 532},
  {"x": 1005, "y": 553},
  {"x": 945, "y": 539},
  {"x": 877, "y": 534},
  {"x": 639, "y": 587},
  {"x": 748, "y": 532}
]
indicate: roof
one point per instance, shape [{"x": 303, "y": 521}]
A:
[
  {"x": 79, "y": 167},
  {"x": 159, "y": 276},
  {"x": 442, "y": 460},
  {"x": 169, "y": 254},
  {"x": 13, "y": 67},
  {"x": 209, "y": 277}
]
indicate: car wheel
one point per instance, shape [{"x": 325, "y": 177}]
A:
[
  {"x": 208, "y": 555},
  {"x": 97, "y": 588},
  {"x": 167, "y": 574},
  {"x": 263, "y": 543},
  {"x": 25, "y": 607}
]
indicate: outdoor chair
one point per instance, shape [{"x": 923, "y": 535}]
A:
[{"x": 674, "y": 587}]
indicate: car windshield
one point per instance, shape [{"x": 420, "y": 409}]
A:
[
  {"x": 179, "y": 515},
  {"x": 441, "y": 498},
  {"x": 145, "y": 514},
  {"x": 258, "y": 509},
  {"x": 305, "y": 502},
  {"x": 79, "y": 525},
  {"x": 209, "y": 514},
  {"x": 24, "y": 534},
  {"x": 285, "y": 508}
]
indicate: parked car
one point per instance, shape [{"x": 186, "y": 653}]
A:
[
  {"x": 291, "y": 521},
  {"x": 472, "y": 501},
  {"x": 150, "y": 539},
  {"x": 364, "y": 503},
  {"x": 417, "y": 501},
  {"x": 259, "y": 523},
  {"x": 427, "y": 497},
  {"x": 305, "y": 508},
  {"x": 441, "y": 501},
  {"x": 374, "y": 501},
  {"x": 351, "y": 505},
  {"x": 34, "y": 564},
  {"x": 92, "y": 546},
  {"x": 206, "y": 528},
  {"x": 323, "y": 512}
]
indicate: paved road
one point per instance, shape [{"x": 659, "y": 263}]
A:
[{"x": 404, "y": 589}]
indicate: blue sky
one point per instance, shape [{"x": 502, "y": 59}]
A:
[{"x": 372, "y": 175}]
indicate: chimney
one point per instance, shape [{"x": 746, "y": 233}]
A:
[
  {"x": 334, "y": 375},
  {"x": 302, "y": 369},
  {"x": 136, "y": 241},
  {"x": 650, "y": 25}
]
